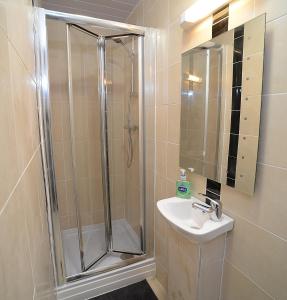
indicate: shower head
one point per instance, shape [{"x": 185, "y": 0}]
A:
[{"x": 118, "y": 40}]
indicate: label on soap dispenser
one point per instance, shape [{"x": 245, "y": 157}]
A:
[{"x": 183, "y": 189}]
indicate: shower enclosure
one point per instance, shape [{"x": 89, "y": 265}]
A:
[{"x": 93, "y": 143}]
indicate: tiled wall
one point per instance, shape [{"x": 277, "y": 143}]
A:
[
  {"x": 26, "y": 269},
  {"x": 255, "y": 265}
]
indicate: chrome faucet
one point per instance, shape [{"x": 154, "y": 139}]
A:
[{"x": 214, "y": 209}]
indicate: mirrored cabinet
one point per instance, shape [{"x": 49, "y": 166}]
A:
[{"x": 220, "y": 106}]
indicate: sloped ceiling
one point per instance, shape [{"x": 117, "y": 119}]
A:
[{"x": 116, "y": 10}]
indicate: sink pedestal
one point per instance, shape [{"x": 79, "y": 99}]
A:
[
  {"x": 191, "y": 249},
  {"x": 194, "y": 270}
]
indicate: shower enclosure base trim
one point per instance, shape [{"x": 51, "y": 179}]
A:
[{"x": 104, "y": 283}]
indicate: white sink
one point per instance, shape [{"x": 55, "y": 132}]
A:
[{"x": 192, "y": 222}]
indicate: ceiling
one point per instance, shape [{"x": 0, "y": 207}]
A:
[{"x": 116, "y": 10}]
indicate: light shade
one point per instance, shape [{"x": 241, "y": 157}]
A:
[{"x": 199, "y": 10}]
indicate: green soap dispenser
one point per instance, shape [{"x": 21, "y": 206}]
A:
[{"x": 183, "y": 186}]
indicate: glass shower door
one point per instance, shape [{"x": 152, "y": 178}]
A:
[
  {"x": 85, "y": 123},
  {"x": 123, "y": 122}
]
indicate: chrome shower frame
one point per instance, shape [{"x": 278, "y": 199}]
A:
[{"x": 42, "y": 75}]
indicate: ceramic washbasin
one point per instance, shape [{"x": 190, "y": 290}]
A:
[{"x": 192, "y": 222}]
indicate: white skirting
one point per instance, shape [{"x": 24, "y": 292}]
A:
[{"x": 112, "y": 280}]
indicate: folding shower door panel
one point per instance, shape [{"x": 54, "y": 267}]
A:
[
  {"x": 123, "y": 124},
  {"x": 85, "y": 122},
  {"x": 105, "y": 126}
]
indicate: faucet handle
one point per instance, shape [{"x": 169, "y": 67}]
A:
[{"x": 216, "y": 205}]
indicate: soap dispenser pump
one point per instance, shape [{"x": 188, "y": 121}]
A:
[{"x": 183, "y": 186}]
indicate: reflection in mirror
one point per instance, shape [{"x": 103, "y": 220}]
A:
[{"x": 220, "y": 106}]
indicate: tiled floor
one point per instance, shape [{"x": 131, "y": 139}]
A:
[{"x": 138, "y": 291}]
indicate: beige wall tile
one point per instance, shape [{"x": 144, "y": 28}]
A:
[
  {"x": 171, "y": 186},
  {"x": 176, "y": 8},
  {"x": 33, "y": 198},
  {"x": 172, "y": 161},
  {"x": 162, "y": 86},
  {"x": 156, "y": 13},
  {"x": 162, "y": 53},
  {"x": 20, "y": 33},
  {"x": 274, "y": 80},
  {"x": 174, "y": 83},
  {"x": 9, "y": 170},
  {"x": 261, "y": 209},
  {"x": 15, "y": 258},
  {"x": 136, "y": 17},
  {"x": 274, "y": 9},
  {"x": 160, "y": 192},
  {"x": 161, "y": 158},
  {"x": 162, "y": 122},
  {"x": 264, "y": 264},
  {"x": 25, "y": 109},
  {"x": 272, "y": 147},
  {"x": 174, "y": 123},
  {"x": 197, "y": 35},
  {"x": 240, "y": 11},
  {"x": 174, "y": 43},
  {"x": 237, "y": 286}
]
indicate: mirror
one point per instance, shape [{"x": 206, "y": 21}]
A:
[{"x": 220, "y": 106}]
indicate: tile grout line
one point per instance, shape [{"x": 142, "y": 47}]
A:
[
  {"x": 250, "y": 279},
  {"x": 18, "y": 54},
  {"x": 254, "y": 224},
  {"x": 19, "y": 179},
  {"x": 133, "y": 10},
  {"x": 260, "y": 163},
  {"x": 274, "y": 94},
  {"x": 276, "y": 19}
]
